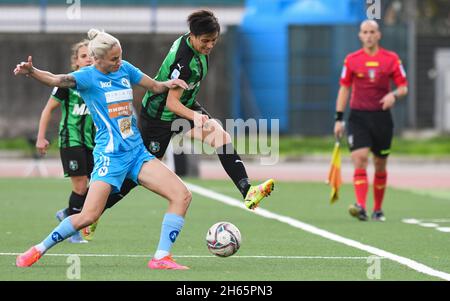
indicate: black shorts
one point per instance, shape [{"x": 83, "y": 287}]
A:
[
  {"x": 77, "y": 161},
  {"x": 370, "y": 129},
  {"x": 157, "y": 133}
]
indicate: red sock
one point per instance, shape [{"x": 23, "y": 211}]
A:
[
  {"x": 379, "y": 186},
  {"x": 361, "y": 186}
]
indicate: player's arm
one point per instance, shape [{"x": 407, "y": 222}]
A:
[
  {"x": 389, "y": 99},
  {"x": 341, "y": 103},
  {"x": 174, "y": 104},
  {"x": 161, "y": 87},
  {"x": 398, "y": 75},
  {"x": 45, "y": 77},
  {"x": 345, "y": 81},
  {"x": 41, "y": 142}
]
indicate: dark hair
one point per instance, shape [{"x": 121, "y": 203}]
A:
[{"x": 203, "y": 22}]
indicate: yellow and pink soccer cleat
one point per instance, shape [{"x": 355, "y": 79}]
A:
[
  {"x": 28, "y": 258},
  {"x": 256, "y": 193},
  {"x": 165, "y": 263},
  {"x": 88, "y": 231}
]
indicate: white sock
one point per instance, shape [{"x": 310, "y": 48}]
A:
[
  {"x": 160, "y": 254},
  {"x": 41, "y": 247}
]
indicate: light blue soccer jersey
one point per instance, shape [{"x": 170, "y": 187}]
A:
[{"x": 109, "y": 98}]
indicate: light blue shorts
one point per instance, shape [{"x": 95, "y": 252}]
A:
[{"x": 113, "y": 168}]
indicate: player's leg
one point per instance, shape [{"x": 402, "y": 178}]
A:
[
  {"x": 156, "y": 134},
  {"x": 383, "y": 132},
  {"x": 91, "y": 211},
  {"x": 214, "y": 135},
  {"x": 89, "y": 231},
  {"x": 155, "y": 176},
  {"x": 379, "y": 187},
  {"x": 359, "y": 142},
  {"x": 76, "y": 166}
]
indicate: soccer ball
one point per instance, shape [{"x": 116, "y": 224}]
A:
[{"x": 223, "y": 239}]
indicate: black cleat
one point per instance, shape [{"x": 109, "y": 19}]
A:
[
  {"x": 378, "y": 216},
  {"x": 358, "y": 212}
]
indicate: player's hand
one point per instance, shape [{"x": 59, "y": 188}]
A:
[
  {"x": 200, "y": 120},
  {"x": 173, "y": 83},
  {"x": 339, "y": 128},
  {"x": 42, "y": 145},
  {"x": 388, "y": 101},
  {"x": 24, "y": 68}
]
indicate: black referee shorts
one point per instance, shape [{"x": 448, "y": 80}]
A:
[
  {"x": 157, "y": 133},
  {"x": 77, "y": 161},
  {"x": 372, "y": 129}
]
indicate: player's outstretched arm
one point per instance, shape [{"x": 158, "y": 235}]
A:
[
  {"x": 41, "y": 141},
  {"x": 161, "y": 87},
  {"x": 45, "y": 77}
]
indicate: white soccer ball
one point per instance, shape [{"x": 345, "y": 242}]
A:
[{"x": 223, "y": 239}]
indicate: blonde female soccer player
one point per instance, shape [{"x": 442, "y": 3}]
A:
[{"x": 119, "y": 152}]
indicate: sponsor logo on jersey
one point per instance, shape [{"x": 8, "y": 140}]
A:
[
  {"x": 80, "y": 110},
  {"x": 125, "y": 127},
  {"x": 175, "y": 74},
  {"x": 372, "y": 64},
  {"x": 119, "y": 109},
  {"x": 105, "y": 84},
  {"x": 119, "y": 95},
  {"x": 126, "y": 82},
  {"x": 103, "y": 171},
  {"x": 73, "y": 165},
  {"x": 154, "y": 146}
]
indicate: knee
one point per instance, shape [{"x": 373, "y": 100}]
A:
[
  {"x": 380, "y": 167},
  {"x": 80, "y": 186},
  {"x": 360, "y": 162},
  {"x": 185, "y": 197},
  {"x": 80, "y": 189},
  {"x": 88, "y": 219}
]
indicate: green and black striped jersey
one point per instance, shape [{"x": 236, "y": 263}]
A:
[
  {"x": 76, "y": 127},
  {"x": 182, "y": 62}
]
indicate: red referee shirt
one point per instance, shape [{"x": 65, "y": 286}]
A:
[{"x": 369, "y": 77}]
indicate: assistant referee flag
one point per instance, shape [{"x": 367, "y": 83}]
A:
[{"x": 334, "y": 175}]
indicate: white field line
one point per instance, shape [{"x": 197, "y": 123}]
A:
[
  {"x": 202, "y": 256},
  {"x": 323, "y": 233}
]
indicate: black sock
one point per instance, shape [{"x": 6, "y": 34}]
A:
[
  {"x": 234, "y": 167},
  {"x": 127, "y": 185},
  {"x": 76, "y": 202}
]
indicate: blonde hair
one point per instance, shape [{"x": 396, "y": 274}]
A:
[
  {"x": 100, "y": 42},
  {"x": 75, "y": 48}
]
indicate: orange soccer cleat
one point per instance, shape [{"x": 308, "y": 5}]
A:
[
  {"x": 165, "y": 263},
  {"x": 28, "y": 258}
]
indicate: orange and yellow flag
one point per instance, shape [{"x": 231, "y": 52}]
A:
[{"x": 334, "y": 175}]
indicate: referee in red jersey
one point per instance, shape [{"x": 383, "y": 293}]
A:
[{"x": 368, "y": 72}]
